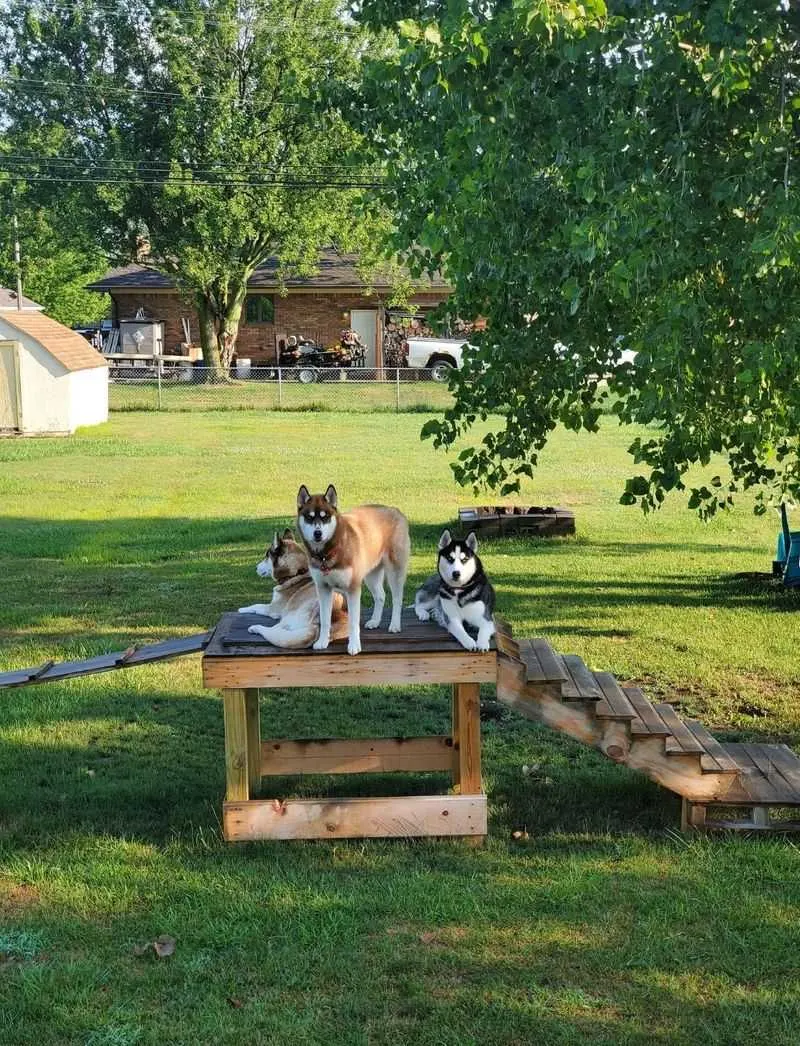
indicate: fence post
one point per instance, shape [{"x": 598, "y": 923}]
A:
[
  {"x": 158, "y": 374},
  {"x": 397, "y": 388},
  {"x": 280, "y": 388}
]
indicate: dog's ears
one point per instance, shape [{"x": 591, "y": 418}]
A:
[
  {"x": 288, "y": 534},
  {"x": 330, "y": 495},
  {"x": 444, "y": 540},
  {"x": 472, "y": 541},
  {"x": 276, "y": 542},
  {"x": 302, "y": 496}
]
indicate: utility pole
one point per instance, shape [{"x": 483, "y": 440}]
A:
[{"x": 17, "y": 262}]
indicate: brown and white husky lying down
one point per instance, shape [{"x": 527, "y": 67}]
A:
[{"x": 294, "y": 598}]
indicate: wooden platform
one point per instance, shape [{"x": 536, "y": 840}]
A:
[{"x": 240, "y": 664}]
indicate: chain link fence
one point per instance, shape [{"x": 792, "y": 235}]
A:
[{"x": 185, "y": 388}]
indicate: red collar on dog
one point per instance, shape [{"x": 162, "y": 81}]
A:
[{"x": 325, "y": 564}]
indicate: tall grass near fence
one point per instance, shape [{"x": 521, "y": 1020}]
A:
[{"x": 396, "y": 390}]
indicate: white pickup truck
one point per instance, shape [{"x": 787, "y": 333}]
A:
[{"x": 438, "y": 355}]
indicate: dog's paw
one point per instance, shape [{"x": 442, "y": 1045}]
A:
[
  {"x": 258, "y": 630},
  {"x": 395, "y": 627},
  {"x": 422, "y": 614},
  {"x": 468, "y": 643},
  {"x": 321, "y": 644},
  {"x": 373, "y": 624},
  {"x": 354, "y": 646},
  {"x": 248, "y": 610},
  {"x": 483, "y": 645}
]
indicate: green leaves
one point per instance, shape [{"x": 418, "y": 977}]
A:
[{"x": 606, "y": 182}]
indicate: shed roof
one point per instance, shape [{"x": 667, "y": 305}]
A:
[
  {"x": 8, "y": 300},
  {"x": 71, "y": 350},
  {"x": 336, "y": 272}
]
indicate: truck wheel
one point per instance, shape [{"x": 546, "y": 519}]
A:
[
  {"x": 440, "y": 371},
  {"x": 307, "y": 375}
]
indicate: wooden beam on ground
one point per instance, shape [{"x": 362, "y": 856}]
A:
[{"x": 403, "y": 817}]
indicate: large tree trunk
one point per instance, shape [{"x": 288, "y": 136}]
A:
[{"x": 220, "y": 315}]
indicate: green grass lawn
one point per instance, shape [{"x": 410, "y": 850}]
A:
[{"x": 602, "y": 926}]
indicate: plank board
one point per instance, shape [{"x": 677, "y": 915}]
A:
[
  {"x": 327, "y": 669},
  {"x": 146, "y": 655},
  {"x": 716, "y": 760},
  {"x": 581, "y": 684},
  {"x": 648, "y": 721},
  {"x": 357, "y": 755},
  {"x": 534, "y": 673},
  {"x": 551, "y": 665},
  {"x": 404, "y": 817},
  {"x": 681, "y": 739},
  {"x": 614, "y": 705},
  {"x": 788, "y": 764}
]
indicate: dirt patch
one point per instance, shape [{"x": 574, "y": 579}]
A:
[{"x": 17, "y": 897}]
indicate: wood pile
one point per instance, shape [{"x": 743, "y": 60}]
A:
[{"x": 534, "y": 521}]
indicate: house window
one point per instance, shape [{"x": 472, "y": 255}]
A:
[{"x": 259, "y": 308}]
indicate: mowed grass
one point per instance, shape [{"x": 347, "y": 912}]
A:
[{"x": 602, "y": 926}]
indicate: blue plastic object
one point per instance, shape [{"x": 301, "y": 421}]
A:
[{"x": 787, "y": 554}]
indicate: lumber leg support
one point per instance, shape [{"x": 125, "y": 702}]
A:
[{"x": 247, "y": 759}]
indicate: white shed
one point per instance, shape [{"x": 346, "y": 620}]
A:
[{"x": 51, "y": 379}]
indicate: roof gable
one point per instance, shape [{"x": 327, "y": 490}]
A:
[{"x": 71, "y": 350}]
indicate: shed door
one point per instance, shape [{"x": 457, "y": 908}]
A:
[
  {"x": 365, "y": 321},
  {"x": 9, "y": 412}
]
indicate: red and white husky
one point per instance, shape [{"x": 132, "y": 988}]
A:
[
  {"x": 294, "y": 598},
  {"x": 347, "y": 550}
]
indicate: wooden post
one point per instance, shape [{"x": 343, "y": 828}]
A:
[
  {"x": 253, "y": 740},
  {"x": 693, "y": 815},
  {"x": 468, "y": 718},
  {"x": 760, "y": 816},
  {"x": 456, "y": 736},
  {"x": 236, "y": 750}
]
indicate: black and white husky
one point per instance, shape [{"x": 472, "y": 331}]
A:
[{"x": 459, "y": 594}]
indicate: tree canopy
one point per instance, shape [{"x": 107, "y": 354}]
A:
[
  {"x": 58, "y": 259},
  {"x": 596, "y": 177},
  {"x": 203, "y": 136}
]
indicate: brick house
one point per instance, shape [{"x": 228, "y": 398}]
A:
[{"x": 316, "y": 307}]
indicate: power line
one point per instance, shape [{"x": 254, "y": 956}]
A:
[
  {"x": 220, "y": 183},
  {"x": 33, "y": 86},
  {"x": 166, "y": 165}
]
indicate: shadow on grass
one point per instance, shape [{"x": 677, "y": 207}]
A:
[
  {"x": 106, "y": 582},
  {"x": 114, "y": 760}
]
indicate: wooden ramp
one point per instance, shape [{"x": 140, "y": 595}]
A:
[
  {"x": 133, "y": 657},
  {"x": 753, "y": 787}
]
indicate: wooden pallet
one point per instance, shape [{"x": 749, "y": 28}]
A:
[{"x": 529, "y": 521}]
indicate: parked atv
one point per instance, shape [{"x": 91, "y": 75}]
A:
[{"x": 308, "y": 357}]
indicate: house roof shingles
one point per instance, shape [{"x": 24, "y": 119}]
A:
[
  {"x": 336, "y": 272},
  {"x": 71, "y": 350}
]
